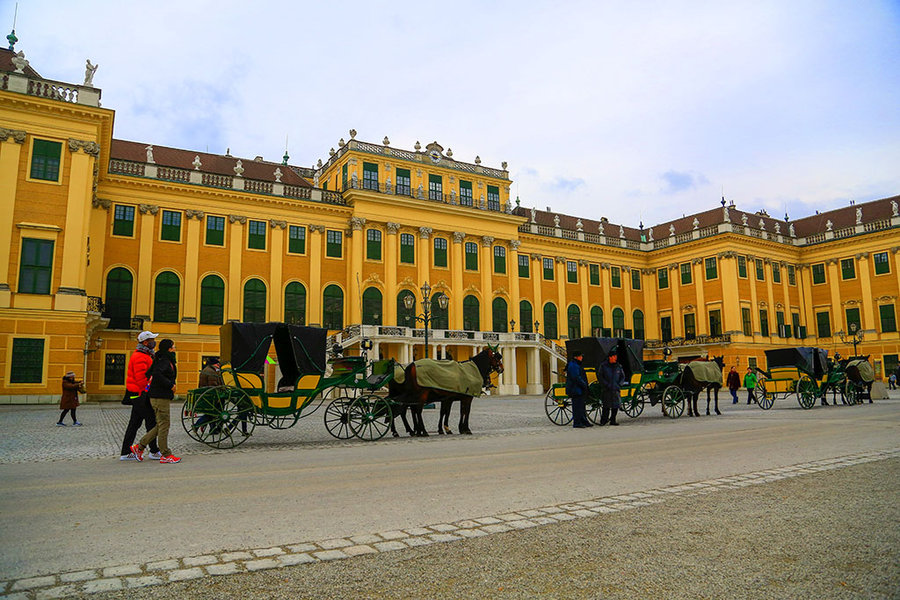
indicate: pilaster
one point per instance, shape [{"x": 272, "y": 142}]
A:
[
  {"x": 235, "y": 285},
  {"x": 354, "y": 276},
  {"x": 276, "y": 270},
  {"x": 143, "y": 281},
  {"x": 457, "y": 260},
  {"x": 391, "y": 258},
  {"x": 314, "y": 298},
  {"x": 10, "y": 152},
  {"x": 487, "y": 288},
  {"x": 73, "y": 267},
  {"x": 190, "y": 310}
]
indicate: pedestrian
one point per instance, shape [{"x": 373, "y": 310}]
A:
[
  {"x": 211, "y": 375},
  {"x": 612, "y": 379},
  {"x": 136, "y": 395},
  {"x": 577, "y": 389},
  {"x": 69, "y": 400},
  {"x": 892, "y": 380},
  {"x": 750, "y": 384},
  {"x": 733, "y": 381},
  {"x": 163, "y": 374}
]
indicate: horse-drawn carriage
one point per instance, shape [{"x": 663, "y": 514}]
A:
[
  {"x": 803, "y": 370},
  {"x": 859, "y": 379}
]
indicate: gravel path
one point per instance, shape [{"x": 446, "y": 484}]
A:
[{"x": 832, "y": 534}]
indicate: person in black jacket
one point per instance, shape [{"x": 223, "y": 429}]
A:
[
  {"x": 577, "y": 389},
  {"x": 612, "y": 379},
  {"x": 162, "y": 374}
]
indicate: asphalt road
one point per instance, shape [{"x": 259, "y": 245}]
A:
[{"x": 80, "y": 513}]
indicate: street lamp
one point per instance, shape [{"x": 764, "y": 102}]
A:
[
  {"x": 512, "y": 325},
  {"x": 536, "y": 325},
  {"x": 409, "y": 301},
  {"x": 855, "y": 337}
]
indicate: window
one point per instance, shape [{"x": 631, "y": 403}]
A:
[
  {"x": 407, "y": 248},
  {"x": 171, "y": 226},
  {"x": 256, "y": 235},
  {"x": 888, "y": 318},
  {"x": 166, "y": 297},
  {"x": 296, "y": 239},
  {"x": 499, "y": 259},
  {"x": 524, "y": 266},
  {"x": 403, "y": 183},
  {"x": 618, "y": 322},
  {"x": 665, "y": 328},
  {"x": 548, "y": 269},
  {"x": 571, "y": 271},
  {"x": 371, "y": 306},
  {"x": 119, "y": 283},
  {"x": 35, "y": 266},
  {"x": 742, "y": 266},
  {"x": 795, "y": 324},
  {"x": 690, "y": 327},
  {"x": 685, "y": 273},
  {"x": 440, "y": 252},
  {"x": 853, "y": 319},
  {"x": 635, "y": 278},
  {"x": 746, "y": 324},
  {"x": 780, "y": 327},
  {"x": 550, "y": 321},
  {"x": 776, "y": 272},
  {"x": 114, "y": 369},
  {"x": 637, "y": 318},
  {"x": 295, "y": 303},
  {"x": 764, "y": 322},
  {"x": 435, "y": 187},
  {"x": 848, "y": 269},
  {"x": 615, "y": 277},
  {"x": 715, "y": 323},
  {"x": 370, "y": 176},
  {"x": 255, "y": 301},
  {"x": 760, "y": 270},
  {"x": 792, "y": 275},
  {"x": 596, "y": 321},
  {"x": 334, "y": 243},
  {"x": 123, "y": 220},
  {"x": 471, "y": 256},
  {"x": 215, "y": 231},
  {"x": 493, "y": 197},
  {"x": 526, "y": 316},
  {"x": 594, "y": 274},
  {"x": 882, "y": 265},
  {"x": 465, "y": 193},
  {"x": 573, "y": 318},
  {"x": 891, "y": 362},
  {"x": 662, "y": 274},
  {"x": 712, "y": 268},
  {"x": 212, "y": 300},
  {"x": 27, "y": 361},
  {"x": 471, "y": 321},
  {"x": 45, "y": 158},
  {"x": 823, "y": 324},
  {"x": 818, "y": 273},
  {"x": 440, "y": 318},
  {"x": 333, "y": 308},
  {"x": 499, "y": 316},
  {"x": 405, "y": 316},
  {"x": 373, "y": 244},
  {"x": 344, "y": 176}
]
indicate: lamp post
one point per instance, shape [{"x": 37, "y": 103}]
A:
[
  {"x": 426, "y": 317},
  {"x": 855, "y": 337},
  {"x": 536, "y": 325},
  {"x": 512, "y": 325}
]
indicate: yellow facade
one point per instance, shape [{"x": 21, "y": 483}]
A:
[{"x": 171, "y": 223}]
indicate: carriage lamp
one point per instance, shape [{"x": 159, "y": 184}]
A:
[{"x": 366, "y": 345}]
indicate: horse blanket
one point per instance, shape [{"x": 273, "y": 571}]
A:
[
  {"x": 866, "y": 372},
  {"x": 399, "y": 373},
  {"x": 449, "y": 376},
  {"x": 705, "y": 371}
]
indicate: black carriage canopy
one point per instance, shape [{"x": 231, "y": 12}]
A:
[
  {"x": 808, "y": 359},
  {"x": 595, "y": 349},
  {"x": 300, "y": 350}
]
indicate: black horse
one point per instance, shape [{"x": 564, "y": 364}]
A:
[{"x": 692, "y": 387}]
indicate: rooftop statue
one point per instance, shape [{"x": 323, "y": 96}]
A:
[{"x": 89, "y": 71}]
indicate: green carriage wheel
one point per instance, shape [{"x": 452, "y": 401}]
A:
[
  {"x": 370, "y": 417},
  {"x": 559, "y": 410},
  {"x": 282, "y": 421},
  {"x": 764, "y": 398},
  {"x": 673, "y": 401},
  {"x": 634, "y": 405},
  {"x": 337, "y": 418},
  {"x": 851, "y": 393},
  {"x": 217, "y": 417},
  {"x": 594, "y": 408},
  {"x": 806, "y": 392}
]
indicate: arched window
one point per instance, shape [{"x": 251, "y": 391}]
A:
[
  {"x": 550, "y": 321},
  {"x": 212, "y": 300},
  {"x": 596, "y": 321},
  {"x": 166, "y": 297},
  {"x": 255, "y": 301},
  {"x": 618, "y": 325},
  {"x": 574, "y": 320},
  {"x": 406, "y": 316},
  {"x": 119, "y": 284},
  {"x": 471, "y": 316},
  {"x": 371, "y": 306},
  {"x": 295, "y": 303},
  {"x": 526, "y": 317},
  {"x": 333, "y": 308},
  {"x": 638, "y": 321},
  {"x": 499, "y": 315},
  {"x": 440, "y": 318}
]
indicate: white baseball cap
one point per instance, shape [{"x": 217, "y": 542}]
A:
[{"x": 146, "y": 335}]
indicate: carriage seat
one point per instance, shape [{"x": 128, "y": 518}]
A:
[
  {"x": 249, "y": 382},
  {"x": 376, "y": 381}
]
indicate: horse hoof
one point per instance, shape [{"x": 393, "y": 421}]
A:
[
  {"x": 395, "y": 434},
  {"x": 466, "y": 432},
  {"x": 440, "y": 432},
  {"x": 718, "y": 413},
  {"x": 707, "y": 413}
]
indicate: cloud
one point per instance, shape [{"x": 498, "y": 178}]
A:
[
  {"x": 563, "y": 184},
  {"x": 679, "y": 181}
]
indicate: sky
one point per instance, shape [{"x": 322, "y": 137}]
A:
[{"x": 637, "y": 111}]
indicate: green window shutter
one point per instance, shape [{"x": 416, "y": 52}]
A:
[
  {"x": 167, "y": 297},
  {"x": 465, "y": 193},
  {"x": 407, "y": 248},
  {"x": 760, "y": 270},
  {"x": 882, "y": 264},
  {"x": 524, "y": 266},
  {"x": 526, "y": 316},
  {"x": 764, "y": 323},
  {"x": 742, "y": 266},
  {"x": 256, "y": 235},
  {"x": 665, "y": 328},
  {"x": 746, "y": 323},
  {"x": 662, "y": 274},
  {"x": 36, "y": 266},
  {"x": 690, "y": 326},
  {"x": 818, "y": 273},
  {"x": 776, "y": 273},
  {"x": 715, "y": 322},
  {"x": 114, "y": 369},
  {"x": 119, "y": 284},
  {"x": 371, "y": 307},
  {"x": 573, "y": 320},
  {"x": 171, "y": 226},
  {"x": 493, "y": 197},
  {"x": 499, "y": 316},
  {"x": 499, "y": 260},
  {"x": 370, "y": 176},
  {"x": 795, "y": 324},
  {"x": 635, "y": 278},
  {"x": 548, "y": 269},
  {"x": 712, "y": 268},
  {"x": 255, "y": 301},
  {"x": 344, "y": 177},
  {"x": 686, "y": 276},
  {"x": 405, "y": 316},
  {"x": 123, "y": 220},
  {"x": 435, "y": 187},
  {"x": 215, "y": 231},
  {"x": 471, "y": 314},
  {"x": 440, "y": 252},
  {"x": 373, "y": 244},
  {"x": 638, "y": 320},
  {"x": 440, "y": 318},
  {"x": 571, "y": 271},
  {"x": 295, "y": 303},
  {"x": 615, "y": 277},
  {"x": 212, "y": 300},
  {"x": 853, "y": 318},
  {"x": 333, "y": 308},
  {"x": 296, "y": 239},
  {"x": 403, "y": 183},
  {"x": 888, "y": 318},
  {"x": 333, "y": 244},
  {"x": 27, "y": 361},
  {"x": 471, "y": 256},
  {"x": 792, "y": 275},
  {"x": 594, "y": 274},
  {"x": 596, "y": 320},
  {"x": 848, "y": 269},
  {"x": 550, "y": 329},
  {"x": 823, "y": 325},
  {"x": 45, "y": 160}
]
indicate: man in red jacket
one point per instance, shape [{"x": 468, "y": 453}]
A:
[{"x": 136, "y": 384}]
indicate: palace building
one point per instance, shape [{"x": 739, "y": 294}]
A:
[{"x": 101, "y": 238}]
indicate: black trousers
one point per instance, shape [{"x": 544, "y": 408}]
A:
[
  {"x": 141, "y": 414},
  {"x": 579, "y": 412},
  {"x": 610, "y": 410}
]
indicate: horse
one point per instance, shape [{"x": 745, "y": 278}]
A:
[
  {"x": 410, "y": 393},
  {"x": 693, "y": 386}
]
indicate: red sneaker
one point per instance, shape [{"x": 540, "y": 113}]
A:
[
  {"x": 137, "y": 451},
  {"x": 171, "y": 459}
]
